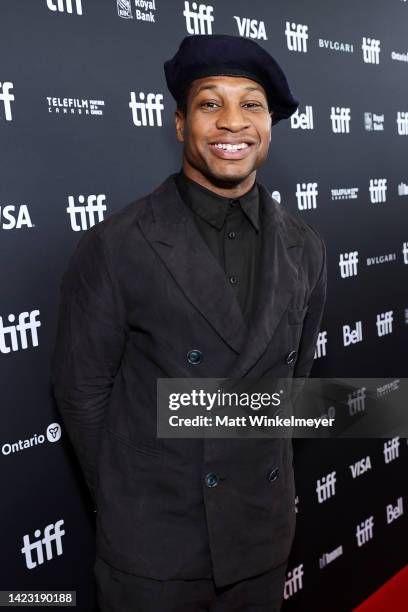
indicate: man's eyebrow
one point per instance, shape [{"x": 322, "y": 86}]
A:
[{"x": 214, "y": 86}]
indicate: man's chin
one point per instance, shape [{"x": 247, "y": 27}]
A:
[{"x": 229, "y": 177}]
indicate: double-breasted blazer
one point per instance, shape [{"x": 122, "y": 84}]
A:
[{"x": 141, "y": 291}]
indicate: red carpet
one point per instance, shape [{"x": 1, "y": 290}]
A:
[{"x": 391, "y": 597}]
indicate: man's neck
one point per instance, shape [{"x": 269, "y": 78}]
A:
[{"x": 222, "y": 188}]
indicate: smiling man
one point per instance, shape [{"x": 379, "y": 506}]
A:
[{"x": 208, "y": 276}]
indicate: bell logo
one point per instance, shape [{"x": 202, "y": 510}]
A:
[
  {"x": 65, "y": 5},
  {"x": 52, "y": 533},
  {"x": 303, "y": 121},
  {"x": 6, "y": 97},
  {"x": 14, "y": 337},
  {"x": 251, "y": 28},
  {"x": 199, "y": 18},
  {"x": 150, "y": 108},
  {"x": 86, "y": 211}
]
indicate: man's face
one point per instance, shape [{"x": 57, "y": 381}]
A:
[{"x": 227, "y": 128}]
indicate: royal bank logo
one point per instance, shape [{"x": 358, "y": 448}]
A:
[
  {"x": 306, "y": 195},
  {"x": 340, "y": 119},
  {"x": 321, "y": 342},
  {"x": 145, "y": 10},
  {"x": 42, "y": 548},
  {"x": 373, "y": 122},
  {"x": 251, "y": 28},
  {"x": 293, "y": 581},
  {"x": 19, "y": 335},
  {"x": 380, "y": 259},
  {"x": 327, "y": 558},
  {"x": 405, "y": 252},
  {"x": 352, "y": 335},
  {"x": 371, "y": 48},
  {"x": 335, "y": 45},
  {"x": 75, "y": 106},
  {"x": 326, "y": 487},
  {"x": 147, "y": 110},
  {"x": 365, "y": 531},
  {"x": 399, "y": 57},
  {"x": 360, "y": 467},
  {"x": 402, "y": 123},
  {"x": 384, "y": 323},
  {"x": 87, "y": 212},
  {"x": 199, "y": 18},
  {"x": 344, "y": 193},
  {"x": 65, "y": 6},
  {"x": 394, "y": 512},
  {"x": 296, "y": 36},
  {"x": 356, "y": 401},
  {"x": 302, "y": 121},
  {"x": 378, "y": 190},
  {"x": 391, "y": 449},
  {"x": 403, "y": 189},
  {"x": 52, "y": 434},
  {"x": 6, "y": 98},
  {"x": 15, "y": 217},
  {"x": 348, "y": 264}
]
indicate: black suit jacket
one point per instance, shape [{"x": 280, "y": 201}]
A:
[{"x": 141, "y": 290}]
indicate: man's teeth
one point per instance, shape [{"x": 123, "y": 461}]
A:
[{"x": 231, "y": 147}]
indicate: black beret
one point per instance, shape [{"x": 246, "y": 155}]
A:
[{"x": 205, "y": 55}]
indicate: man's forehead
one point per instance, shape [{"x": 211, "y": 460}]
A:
[{"x": 227, "y": 82}]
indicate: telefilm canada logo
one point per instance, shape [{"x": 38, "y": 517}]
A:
[
  {"x": 52, "y": 434},
  {"x": 85, "y": 107},
  {"x": 139, "y": 10},
  {"x": 344, "y": 193}
]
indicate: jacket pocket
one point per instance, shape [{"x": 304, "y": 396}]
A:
[{"x": 138, "y": 446}]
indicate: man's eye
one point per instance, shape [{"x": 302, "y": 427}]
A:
[
  {"x": 252, "y": 104},
  {"x": 209, "y": 104}
]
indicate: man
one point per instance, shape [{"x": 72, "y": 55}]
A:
[{"x": 208, "y": 276}]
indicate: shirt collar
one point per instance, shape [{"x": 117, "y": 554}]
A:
[{"x": 212, "y": 207}]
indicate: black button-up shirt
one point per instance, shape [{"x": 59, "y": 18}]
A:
[{"x": 230, "y": 227}]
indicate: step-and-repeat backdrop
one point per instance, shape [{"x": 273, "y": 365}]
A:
[{"x": 86, "y": 126}]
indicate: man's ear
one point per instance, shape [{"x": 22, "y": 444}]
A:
[{"x": 179, "y": 119}]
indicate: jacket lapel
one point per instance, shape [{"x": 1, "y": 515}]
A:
[{"x": 170, "y": 228}]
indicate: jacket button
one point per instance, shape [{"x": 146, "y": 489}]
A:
[
  {"x": 194, "y": 357},
  {"x": 291, "y": 357},
  {"x": 211, "y": 479},
  {"x": 273, "y": 475}
]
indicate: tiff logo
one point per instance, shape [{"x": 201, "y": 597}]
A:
[
  {"x": 378, "y": 190},
  {"x": 65, "y": 5},
  {"x": 303, "y": 121},
  {"x": 306, "y": 195},
  {"x": 348, "y": 264},
  {"x": 371, "y": 50},
  {"x": 402, "y": 123},
  {"x": 52, "y": 533},
  {"x": 11, "y": 335},
  {"x": 6, "y": 98},
  {"x": 351, "y": 336},
  {"x": 405, "y": 252},
  {"x": 251, "y": 28},
  {"x": 150, "y": 109},
  {"x": 320, "y": 350},
  {"x": 296, "y": 37},
  {"x": 384, "y": 323},
  {"x": 199, "y": 19},
  {"x": 391, "y": 450},
  {"x": 356, "y": 401},
  {"x": 86, "y": 211},
  {"x": 294, "y": 581},
  {"x": 340, "y": 120},
  {"x": 364, "y": 531},
  {"x": 326, "y": 487}
]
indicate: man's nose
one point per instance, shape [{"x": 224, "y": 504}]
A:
[{"x": 232, "y": 118}]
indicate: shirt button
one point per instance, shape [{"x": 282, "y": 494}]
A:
[
  {"x": 233, "y": 280},
  {"x": 194, "y": 357},
  {"x": 233, "y": 202},
  {"x": 231, "y": 235},
  {"x": 211, "y": 479},
  {"x": 291, "y": 357},
  {"x": 273, "y": 474}
]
